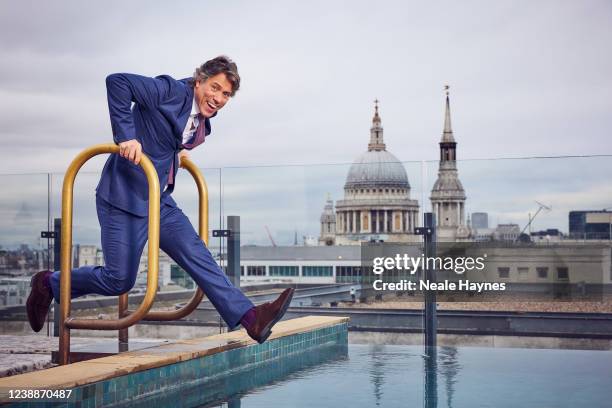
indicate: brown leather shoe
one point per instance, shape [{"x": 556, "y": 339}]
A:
[
  {"x": 38, "y": 302},
  {"x": 268, "y": 314}
]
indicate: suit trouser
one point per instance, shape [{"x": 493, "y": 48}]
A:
[{"x": 123, "y": 239}]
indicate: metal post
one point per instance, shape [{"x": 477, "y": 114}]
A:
[
  {"x": 233, "y": 249},
  {"x": 430, "y": 320},
  {"x": 57, "y": 243},
  {"x": 122, "y": 312}
]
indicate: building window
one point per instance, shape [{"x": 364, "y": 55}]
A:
[
  {"x": 256, "y": 270},
  {"x": 542, "y": 272},
  {"x": 562, "y": 273},
  {"x": 348, "y": 274},
  {"x": 503, "y": 272},
  {"x": 317, "y": 271},
  {"x": 284, "y": 271},
  {"x": 523, "y": 273}
]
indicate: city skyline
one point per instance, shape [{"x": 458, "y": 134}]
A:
[
  {"x": 506, "y": 189},
  {"x": 290, "y": 198},
  {"x": 525, "y": 82}
]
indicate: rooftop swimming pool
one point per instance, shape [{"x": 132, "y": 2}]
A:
[
  {"x": 309, "y": 363},
  {"x": 400, "y": 376}
]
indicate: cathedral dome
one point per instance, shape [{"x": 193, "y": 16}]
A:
[
  {"x": 377, "y": 168},
  {"x": 376, "y": 205}
]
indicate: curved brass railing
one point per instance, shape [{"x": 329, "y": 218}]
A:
[
  {"x": 67, "y": 322},
  {"x": 166, "y": 315},
  {"x": 126, "y": 317}
]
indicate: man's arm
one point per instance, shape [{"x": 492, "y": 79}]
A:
[{"x": 122, "y": 90}]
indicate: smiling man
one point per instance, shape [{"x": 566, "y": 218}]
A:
[{"x": 163, "y": 118}]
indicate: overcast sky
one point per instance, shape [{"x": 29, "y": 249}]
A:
[{"x": 526, "y": 78}]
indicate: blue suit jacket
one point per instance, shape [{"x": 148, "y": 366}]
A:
[{"x": 157, "y": 119}]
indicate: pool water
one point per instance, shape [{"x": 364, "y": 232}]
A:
[{"x": 400, "y": 376}]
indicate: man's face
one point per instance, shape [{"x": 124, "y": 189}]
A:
[{"x": 212, "y": 94}]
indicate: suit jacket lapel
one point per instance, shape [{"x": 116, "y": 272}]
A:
[{"x": 186, "y": 110}]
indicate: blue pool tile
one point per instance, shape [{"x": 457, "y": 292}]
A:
[{"x": 153, "y": 383}]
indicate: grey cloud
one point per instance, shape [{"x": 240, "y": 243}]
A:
[{"x": 526, "y": 80}]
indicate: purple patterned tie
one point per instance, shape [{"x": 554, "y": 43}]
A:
[{"x": 200, "y": 135}]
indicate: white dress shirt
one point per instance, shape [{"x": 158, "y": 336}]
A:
[{"x": 192, "y": 122}]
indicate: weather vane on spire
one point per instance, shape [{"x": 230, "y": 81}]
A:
[
  {"x": 446, "y": 88},
  {"x": 376, "y": 104}
]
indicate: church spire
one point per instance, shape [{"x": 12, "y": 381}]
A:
[
  {"x": 377, "y": 142},
  {"x": 448, "y": 146},
  {"x": 447, "y": 134},
  {"x": 448, "y": 196}
]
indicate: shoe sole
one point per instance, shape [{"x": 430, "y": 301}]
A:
[
  {"x": 31, "y": 304},
  {"x": 268, "y": 328}
]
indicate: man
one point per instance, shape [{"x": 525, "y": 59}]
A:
[{"x": 167, "y": 117}]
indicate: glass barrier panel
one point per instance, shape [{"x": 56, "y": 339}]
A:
[{"x": 24, "y": 215}]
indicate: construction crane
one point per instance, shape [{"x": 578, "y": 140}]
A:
[
  {"x": 270, "y": 236},
  {"x": 540, "y": 208}
]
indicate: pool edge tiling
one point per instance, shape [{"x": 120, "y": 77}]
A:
[{"x": 131, "y": 375}]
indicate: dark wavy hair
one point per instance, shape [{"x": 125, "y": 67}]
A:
[{"x": 219, "y": 65}]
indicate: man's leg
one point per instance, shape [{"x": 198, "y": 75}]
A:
[
  {"x": 123, "y": 236},
  {"x": 181, "y": 242}
]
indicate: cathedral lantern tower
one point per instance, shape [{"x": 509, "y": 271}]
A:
[{"x": 377, "y": 143}]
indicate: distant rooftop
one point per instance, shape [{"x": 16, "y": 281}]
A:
[{"x": 301, "y": 253}]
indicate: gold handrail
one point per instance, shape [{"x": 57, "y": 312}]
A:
[
  {"x": 67, "y": 322},
  {"x": 166, "y": 315}
]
